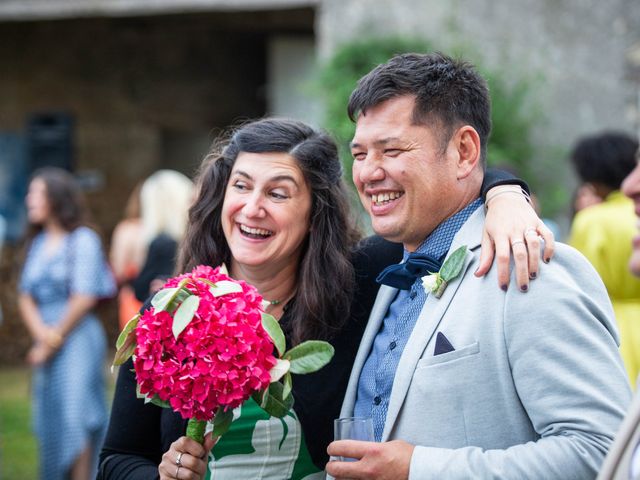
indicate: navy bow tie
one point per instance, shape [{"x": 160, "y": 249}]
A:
[{"x": 403, "y": 275}]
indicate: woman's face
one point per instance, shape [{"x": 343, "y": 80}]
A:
[
  {"x": 38, "y": 208},
  {"x": 266, "y": 209}
]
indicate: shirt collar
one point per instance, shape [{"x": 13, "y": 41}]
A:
[{"x": 439, "y": 241}]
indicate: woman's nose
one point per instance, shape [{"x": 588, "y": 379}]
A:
[{"x": 254, "y": 206}]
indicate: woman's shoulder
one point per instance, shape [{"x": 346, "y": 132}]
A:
[
  {"x": 374, "y": 253},
  {"x": 85, "y": 233}
]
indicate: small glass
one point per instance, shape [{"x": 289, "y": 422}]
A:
[{"x": 353, "y": 428}]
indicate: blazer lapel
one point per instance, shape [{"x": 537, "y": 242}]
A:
[
  {"x": 432, "y": 312},
  {"x": 383, "y": 300}
]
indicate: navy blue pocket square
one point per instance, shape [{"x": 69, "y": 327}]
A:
[{"x": 443, "y": 345}]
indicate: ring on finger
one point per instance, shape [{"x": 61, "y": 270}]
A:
[
  {"x": 179, "y": 458},
  {"x": 530, "y": 231},
  {"x": 178, "y": 471},
  {"x": 515, "y": 242}
]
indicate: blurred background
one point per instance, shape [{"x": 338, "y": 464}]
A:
[{"x": 114, "y": 90}]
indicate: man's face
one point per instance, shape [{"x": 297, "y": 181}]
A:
[
  {"x": 631, "y": 188},
  {"x": 405, "y": 180}
]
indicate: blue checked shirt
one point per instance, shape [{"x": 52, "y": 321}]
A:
[{"x": 376, "y": 378}]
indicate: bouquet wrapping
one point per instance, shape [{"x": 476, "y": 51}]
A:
[{"x": 206, "y": 345}]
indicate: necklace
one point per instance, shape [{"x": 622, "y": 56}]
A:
[{"x": 274, "y": 302}]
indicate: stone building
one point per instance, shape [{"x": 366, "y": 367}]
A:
[{"x": 149, "y": 83}]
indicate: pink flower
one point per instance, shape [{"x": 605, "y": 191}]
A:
[{"x": 218, "y": 360}]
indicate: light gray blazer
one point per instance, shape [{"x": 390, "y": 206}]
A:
[
  {"x": 617, "y": 465},
  {"x": 535, "y": 387}
]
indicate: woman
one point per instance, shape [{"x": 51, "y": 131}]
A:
[
  {"x": 273, "y": 207},
  {"x": 165, "y": 198},
  {"x": 64, "y": 274},
  {"x": 126, "y": 256}
]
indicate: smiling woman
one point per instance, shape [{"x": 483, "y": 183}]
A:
[{"x": 265, "y": 216}]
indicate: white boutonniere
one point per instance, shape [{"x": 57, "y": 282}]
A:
[{"x": 437, "y": 282}]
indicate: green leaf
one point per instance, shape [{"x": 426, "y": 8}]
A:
[
  {"x": 272, "y": 327},
  {"x": 453, "y": 264},
  {"x": 260, "y": 397},
  {"x": 160, "y": 403},
  {"x": 168, "y": 299},
  {"x": 155, "y": 399},
  {"x": 309, "y": 356},
  {"x": 279, "y": 369},
  {"x": 162, "y": 298},
  {"x": 274, "y": 403},
  {"x": 225, "y": 287},
  {"x": 184, "y": 314},
  {"x": 287, "y": 384},
  {"x": 128, "y": 328},
  {"x": 222, "y": 421},
  {"x": 126, "y": 343}
]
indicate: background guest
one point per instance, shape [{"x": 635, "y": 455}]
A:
[
  {"x": 165, "y": 198},
  {"x": 603, "y": 231},
  {"x": 126, "y": 256},
  {"x": 64, "y": 274}
]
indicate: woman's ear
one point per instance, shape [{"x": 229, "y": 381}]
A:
[{"x": 467, "y": 143}]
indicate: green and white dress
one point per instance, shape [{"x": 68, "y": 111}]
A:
[{"x": 258, "y": 446}]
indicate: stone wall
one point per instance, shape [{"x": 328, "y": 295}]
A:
[
  {"x": 146, "y": 93},
  {"x": 578, "y": 51}
]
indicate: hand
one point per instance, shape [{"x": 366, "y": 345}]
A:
[
  {"x": 40, "y": 353},
  {"x": 513, "y": 226},
  {"x": 192, "y": 458},
  {"x": 378, "y": 461}
]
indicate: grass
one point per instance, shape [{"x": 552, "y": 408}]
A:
[
  {"x": 18, "y": 450},
  {"x": 18, "y": 453}
]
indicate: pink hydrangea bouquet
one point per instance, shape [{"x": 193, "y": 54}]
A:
[{"x": 206, "y": 345}]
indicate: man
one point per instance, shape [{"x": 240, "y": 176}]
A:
[
  {"x": 623, "y": 461},
  {"x": 603, "y": 232},
  {"x": 478, "y": 383}
]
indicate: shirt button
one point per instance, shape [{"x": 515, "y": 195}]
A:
[
  {"x": 377, "y": 400},
  {"x": 413, "y": 294},
  {"x": 392, "y": 345}
]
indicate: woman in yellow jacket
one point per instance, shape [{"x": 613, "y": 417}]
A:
[{"x": 603, "y": 232}]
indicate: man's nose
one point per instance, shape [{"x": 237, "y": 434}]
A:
[{"x": 369, "y": 169}]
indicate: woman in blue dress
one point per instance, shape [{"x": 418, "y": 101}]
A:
[{"x": 64, "y": 274}]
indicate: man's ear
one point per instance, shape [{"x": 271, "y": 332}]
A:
[{"x": 467, "y": 144}]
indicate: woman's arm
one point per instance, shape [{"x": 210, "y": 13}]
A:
[
  {"x": 49, "y": 339},
  {"x": 132, "y": 449},
  {"x": 31, "y": 317},
  {"x": 512, "y": 227}
]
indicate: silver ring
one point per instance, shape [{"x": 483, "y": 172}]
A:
[
  {"x": 531, "y": 230},
  {"x": 178, "y": 470},
  {"x": 179, "y": 458},
  {"x": 515, "y": 242}
]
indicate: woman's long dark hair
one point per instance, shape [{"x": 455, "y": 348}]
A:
[{"x": 325, "y": 282}]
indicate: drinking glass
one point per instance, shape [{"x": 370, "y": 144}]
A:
[{"x": 353, "y": 428}]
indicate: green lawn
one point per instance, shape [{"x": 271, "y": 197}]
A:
[
  {"x": 18, "y": 454},
  {"x": 18, "y": 457}
]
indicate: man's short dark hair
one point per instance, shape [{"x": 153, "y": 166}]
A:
[
  {"x": 449, "y": 92},
  {"x": 606, "y": 158}
]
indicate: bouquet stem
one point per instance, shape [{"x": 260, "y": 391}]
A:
[{"x": 195, "y": 430}]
